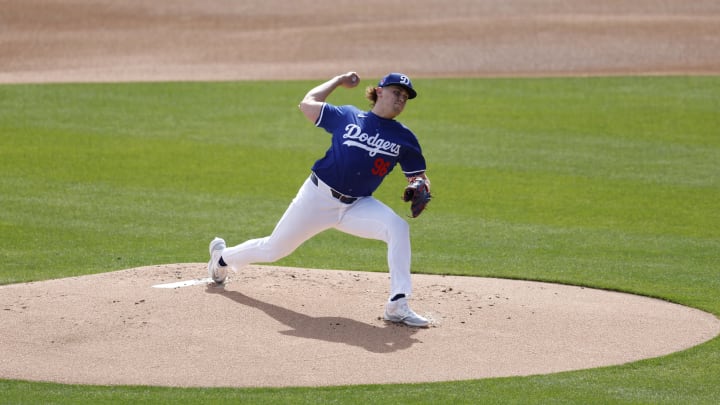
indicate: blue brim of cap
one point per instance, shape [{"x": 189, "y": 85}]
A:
[{"x": 411, "y": 93}]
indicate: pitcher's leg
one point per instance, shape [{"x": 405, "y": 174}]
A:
[
  {"x": 370, "y": 218},
  {"x": 306, "y": 216}
]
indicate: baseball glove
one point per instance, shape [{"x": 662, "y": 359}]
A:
[{"x": 418, "y": 194}]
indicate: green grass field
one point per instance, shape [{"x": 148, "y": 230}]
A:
[{"x": 605, "y": 182}]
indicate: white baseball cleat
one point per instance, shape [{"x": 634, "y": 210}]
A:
[
  {"x": 217, "y": 272},
  {"x": 399, "y": 311}
]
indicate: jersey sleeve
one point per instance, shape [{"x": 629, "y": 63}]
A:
[
  {"x": 412, "y": 161},
  {"x": 331, "y": 117}
]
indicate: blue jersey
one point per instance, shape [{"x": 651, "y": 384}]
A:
[{"x": 364, "y": 149}]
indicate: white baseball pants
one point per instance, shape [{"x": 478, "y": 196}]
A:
[{"x": 314, "y": 210}]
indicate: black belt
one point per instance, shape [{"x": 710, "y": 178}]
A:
[{"x": 336, "y": 194}]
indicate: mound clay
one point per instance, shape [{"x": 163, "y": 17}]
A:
[{"x": 299, "y": 327}]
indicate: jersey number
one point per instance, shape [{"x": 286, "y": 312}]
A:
[{"x": 381, "y": 167}]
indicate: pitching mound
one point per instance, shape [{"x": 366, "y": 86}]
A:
[
  {"x": 272, "y": 326},
  {"x": 294, "y": 327}
]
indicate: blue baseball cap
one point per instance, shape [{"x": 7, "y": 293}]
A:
[{"x": 399, "y": 79}]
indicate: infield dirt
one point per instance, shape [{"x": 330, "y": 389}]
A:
[{"x": 285, "y": 326}]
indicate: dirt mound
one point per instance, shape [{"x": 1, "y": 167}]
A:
[
  {"x": 279, "y": 326},
  {"x": 273, "y": 326}
]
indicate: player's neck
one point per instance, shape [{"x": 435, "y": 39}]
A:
[{"x": 384, "y": 113}]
